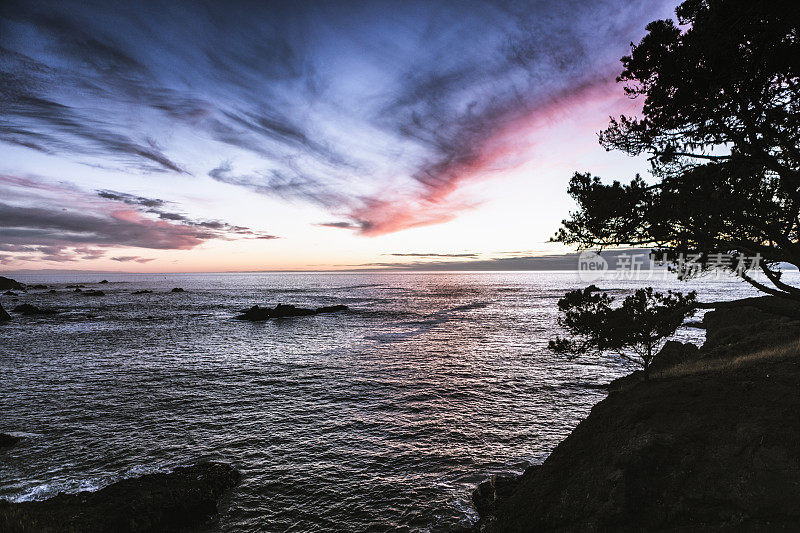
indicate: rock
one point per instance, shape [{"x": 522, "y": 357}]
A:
[
  {"x": 186, "y": 499},
  {"x": 284, "y": 310},
  {"x": 52, "y": 291},
  {"x": 673, "y": 353},
  {"x": 78, "y": 289},
  {"x": 488, "y": 493},
  {"x": 694, "y": 324},
  {"x": 625, "y": 381},
  {"x": 94, "y": 293},
  {"x": 39, "y": 286},
  {"x": 10, "y": 293},
  {"x": 6, "y": 440},
  {"x": 177, "y": 289},
  {"x": 8, "y": 283},
  {"x": 142, "y": 292},
  {"x": 104, "y": 281},
  {"x": 332, "y": 309},
  {"x": 257, "y": 313},
  {"x": 76, "y": 286},
  {"x": 766, "y": 321},
  {"x": 31, "y": 310},
  {"x": 4, "y": 315}
]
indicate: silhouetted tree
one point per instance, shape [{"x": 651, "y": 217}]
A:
[
  {"x": 634, "y": 330},
  {"x": 721, "y": 125}
]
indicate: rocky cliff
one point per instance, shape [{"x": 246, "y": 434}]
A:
[{"x": 711, "y": 442}]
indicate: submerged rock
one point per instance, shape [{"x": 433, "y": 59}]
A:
[
  {"x": 104, "y": 281},
  {"x": 142, "y": 292},
  {"x": 76, "y": 286},
  {"x": 177, "y": 289},
  {"x": 257, "y": 313},
  {"x": 184, "y": 500},
  {"x": 30, "y": 310},
  {"x": 38, "y": 286},
  {"x": 94, "y": 293},
  {"x": 3, "y": 314},
  {"x": 52, "y": 291},
  {"x": 8, "y": 283},
  {"x": 6, "y": 440},
  {"x": 332, "y": 308},
  {"x": 10, "y": 293}
]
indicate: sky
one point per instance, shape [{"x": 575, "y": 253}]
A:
[{"x": 218, "y": 136}]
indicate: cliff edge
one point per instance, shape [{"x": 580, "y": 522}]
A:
[{"x": 710, "y": 442}]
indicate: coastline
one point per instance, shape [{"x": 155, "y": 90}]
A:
[{"x": 709, "y": 442}]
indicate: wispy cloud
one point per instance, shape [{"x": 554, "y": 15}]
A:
[
  {"x": 157, "y": 207},
  {"x": 470, "y": 255},
  {"x": 338, "y": 225},
  {"x": 133, "y": 258},
  {"x": 380, "y": 121}
]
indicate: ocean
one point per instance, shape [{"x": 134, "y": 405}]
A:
[{"x": 380, "y": 418}]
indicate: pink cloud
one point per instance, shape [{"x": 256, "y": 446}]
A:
[{"x": 507, "y": 148}]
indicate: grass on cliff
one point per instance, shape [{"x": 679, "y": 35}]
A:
[{"x": 784, "y": 351}]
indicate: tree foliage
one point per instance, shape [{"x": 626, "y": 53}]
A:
[
  {"x": 720, "y": 123},
  {"x": 634, "y": 330}
]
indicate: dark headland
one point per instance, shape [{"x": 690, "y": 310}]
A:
[{"x": 711, "y": 442}]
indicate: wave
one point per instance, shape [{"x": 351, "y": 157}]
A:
[{"x": 429, "y": 323}]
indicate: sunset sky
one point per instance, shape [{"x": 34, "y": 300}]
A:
[{"x": 171, "y": 136}]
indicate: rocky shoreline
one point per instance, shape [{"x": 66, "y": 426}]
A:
[
  {"x": 710, "y": 442},
  {"x": 185, "y": 499},
  {"x": 255, "y": 313}
]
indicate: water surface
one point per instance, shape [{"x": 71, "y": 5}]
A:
[{"x": 380, "y": 418}]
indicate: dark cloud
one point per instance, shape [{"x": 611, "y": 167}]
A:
[
  {"x": 155, "y": 205},
  {"x": 74, "y": 131},
  {"x": 53, "y": 225},
  {"x": 432, "y": 255},
  {"x": 131, "y": 199},
  {"x": 134, "y": 258},
  {"x": 340, "y": 225},
  {"x": 58, "y": 223}
]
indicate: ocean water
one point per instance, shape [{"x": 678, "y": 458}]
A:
[{"x": 381, "y": 418}]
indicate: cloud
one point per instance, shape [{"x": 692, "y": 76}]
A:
[
  {"x": 134, "y": 258},
  {"x": 289, "y": 184},
  {"x": 471, "y": 255},
  {"x": 155, "y": 206},
  {"x": 339, "y": 225},
  {"x": 379, "y": 121},
  {"x": 569, "y": 261},
  {"x": 130, "y": 199},
  {"x": 59, "y": 222}
]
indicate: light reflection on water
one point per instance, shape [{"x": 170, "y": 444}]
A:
[{"x": 380, "y": 418}]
